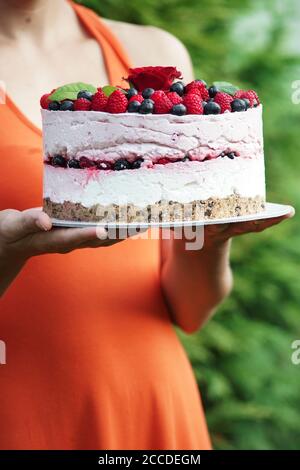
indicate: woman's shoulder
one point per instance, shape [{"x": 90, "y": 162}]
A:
[{"x": 158, "y": 46}]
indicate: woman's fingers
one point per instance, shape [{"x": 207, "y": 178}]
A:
[{"x": 15, "y": 225}]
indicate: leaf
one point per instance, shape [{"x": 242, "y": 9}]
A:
[
  {"x": 226, "y": 87},
  {"x": 70, "y": 91},
  {"x": 108, "y": 89}
]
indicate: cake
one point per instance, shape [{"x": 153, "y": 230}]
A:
[{"x": 157, "y": 151}]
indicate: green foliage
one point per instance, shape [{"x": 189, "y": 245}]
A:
[{"x": 242, "y": 357}]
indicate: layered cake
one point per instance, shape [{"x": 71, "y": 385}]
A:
[{"x": 155, "y": 150}]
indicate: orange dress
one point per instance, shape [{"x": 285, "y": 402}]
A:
[{"x": 93, "y": 360}]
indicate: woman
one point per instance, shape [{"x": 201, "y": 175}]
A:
[{"x": 93, "y": 360}]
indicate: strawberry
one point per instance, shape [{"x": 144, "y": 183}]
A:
[
  {"x": 224, "y": 101},
  {"x": 82, "y": 104},
  {"x": 193, "y": 103},
  {"x": 117, "y": 102}
]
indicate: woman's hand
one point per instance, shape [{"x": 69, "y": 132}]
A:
[{"x": 28, "y": 233}]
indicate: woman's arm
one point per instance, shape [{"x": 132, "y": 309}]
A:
[{"x": 194, "y": 282}]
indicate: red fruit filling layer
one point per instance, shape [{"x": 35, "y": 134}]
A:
[{"x": 124, "y": 164}]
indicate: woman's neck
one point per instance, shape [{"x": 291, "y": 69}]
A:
[{"x": 40, "y": 20}]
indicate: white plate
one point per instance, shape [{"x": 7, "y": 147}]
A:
[{"x": 271, "y": 210}]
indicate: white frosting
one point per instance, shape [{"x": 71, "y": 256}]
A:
[
  {"x": 180, "y": 182},
  {"x": 112, "y": 136}
]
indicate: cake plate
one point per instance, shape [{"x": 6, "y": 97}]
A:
[{"x": 271, "y": 210}]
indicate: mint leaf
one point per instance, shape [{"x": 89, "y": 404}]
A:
[
  {"x": 70, "y": 91},
  {"x": 226, "y": 87},
  {"x": 108, "y": 89}
]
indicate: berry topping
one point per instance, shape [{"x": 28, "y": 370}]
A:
[
  {"x": 230, "y": 155},
  {"x": 59, "y": 160},
  {"x": 177, "y": 87},
  {"x": 66, "y": 105},
  {"x": 146, "y": 107},
  {"x": 147, "y": 93},
  {"x": 85, "y": 94},
  {"x": 238, "y": 105},
  {"x": 212, "y": 91},
  {"x": 159, "y": 78},
  {"x": 162, "y": 104},
  {"x": 121, "y": 164},
  {"x": 247, "y": 103},
  {"x": 131, "y": 92},
  {"x": 251, "y": 95},
  {"x": 137, "y": 163},
  {"x": 53, "y": 106},
  {"x": 85, "y": 162},
  {"x": 82, "y": 104},
  {"x": 212, "y": 108},
  {"x": 138, "y": 98},
  {"x": 174, "y": 97},
  {"x": 133, "y": 106},
  {"x": 117, "y": 102},
  {"x": 99, "y": 101},
  {"x": 44, "y": 102},
  {"x": 73, "y": 163},
  {"x": 193, "y": 103},
  {"x": 178, "y": 109},
  {"x": 197, "y": 87},
  {"x": 224, "y": 100}
]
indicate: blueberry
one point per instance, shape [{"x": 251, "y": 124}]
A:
[
  {"x": 104, "y": 166},
  {"x": 131, "y": 92},
  {"x": 121, "y": 164},
  {"x": 230, "y": 155},
  {"x": 147, "y": 93},
  {"x": 137, "y": 163},
  {"x": 213, "y": 90},
  {"x": 133, "y": 106},
  {"x": 178, "y": 87},
  {"x": 53, "y": 106},
  {"x": 59, "y": 160},
  {"x": 178, "y": 109},
  {"x": 186, "y": 159},
  {"x": 67, "y": 105},
  {"x": 204, "y": 103},
  {"x": 247, "y": 103},
  {"x": 73, "y": 163},
  {"x": 238, "y": 105},
  {"x": 146, "y": 107},
  {"x": 212, "y": 108},
  {"x": 85, "y": 94}
]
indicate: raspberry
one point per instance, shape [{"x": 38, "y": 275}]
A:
[
  {"x": 251, "y": 95},
  {"x": 82, "y": 104},
  {"x": 162, "y": 104},
  {"x": 197, "y": 87},
  {"x": 138, "y": 98},
  {"x": 224, "y": 101},
  {"x": 193, "y": 103},
  {"x": 44, "y": 102},
  {"x": 117, "y": 102},
  {"x": 174, "y": 98},
  {"x": 99, "y": 101}
]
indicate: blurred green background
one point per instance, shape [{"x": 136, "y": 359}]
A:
[{"x": 242, "y": 358}]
